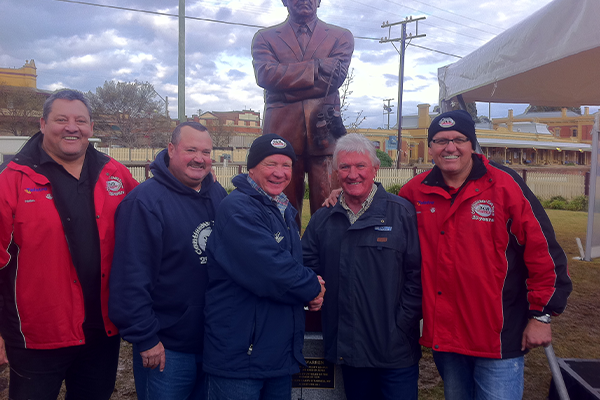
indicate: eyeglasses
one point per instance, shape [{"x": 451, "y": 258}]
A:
[{"x": 444, "y": 142}]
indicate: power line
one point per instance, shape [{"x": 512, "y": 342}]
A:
[
  {"x": 218, "y": 21},
  {"x": 410, "y": 44},
  {"x": 161, "y": 13}
]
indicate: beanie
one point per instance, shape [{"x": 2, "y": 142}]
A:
[
  {"x": 267, "y": 145},
  {"x": 457, "y": 120}
]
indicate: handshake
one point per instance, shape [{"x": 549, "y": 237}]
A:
[{"x": 316, "y": 303}]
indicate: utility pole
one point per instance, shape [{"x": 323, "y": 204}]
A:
[
  {"x": 402, "y": 39},
  {"x": 181, "y": 64},
  {"x": 388, "y": 109}
]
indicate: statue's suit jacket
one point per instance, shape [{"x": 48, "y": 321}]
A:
[{"x": 295, "y": 88}]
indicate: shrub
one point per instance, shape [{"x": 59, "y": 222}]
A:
[
  {"x": 557, "y": 204},
  {"x": 579, "y": 203},
  {"x": 559, "y": 198},
  {"x": 545, "y": 203},
  {"x": 395, "y": 188}
]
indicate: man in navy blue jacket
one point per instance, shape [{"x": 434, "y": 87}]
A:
[
  {"x": 367, "y": 249},
  {"x": 159, "y": 276},
  {"x": 258, "y": 285}
]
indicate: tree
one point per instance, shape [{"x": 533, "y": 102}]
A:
[
  {"x": 20, "y": 110},
  {"x": 220, "y": 133},
  {"x": 345, "y": 93},
  {"x": 132, "y": 112},
  {"x": 386, "y": 160}
]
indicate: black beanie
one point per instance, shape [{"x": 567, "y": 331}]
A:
[
  {"x": 267, "y": 145},
  {"x": 457, "y": 120}
]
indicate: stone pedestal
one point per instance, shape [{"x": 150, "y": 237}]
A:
[{"x": 321, "y": 380}]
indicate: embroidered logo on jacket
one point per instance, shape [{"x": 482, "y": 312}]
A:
[
  {"x": 199, "y": 239},
  {"x": 424, "y": 203},
  {"x": 278, "y": 237},
  {"x": 31, "y": 190},
  {"x": 483, "y": 210},
  {"x": 114, "y": 186}
]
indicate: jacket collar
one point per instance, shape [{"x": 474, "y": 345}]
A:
[
  {"x": 374, "y": 215},
  {"x": 31, "y": 156}
]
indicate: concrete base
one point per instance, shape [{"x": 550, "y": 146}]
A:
[{"x": 313, "y": 350}]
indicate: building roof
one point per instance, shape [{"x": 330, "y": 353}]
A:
[{"x": 534, "y": 144}]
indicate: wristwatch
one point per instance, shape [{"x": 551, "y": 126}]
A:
[{"x": 546, "y": 318}]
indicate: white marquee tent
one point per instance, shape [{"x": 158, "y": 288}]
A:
[{"x": 551, "y": 58}]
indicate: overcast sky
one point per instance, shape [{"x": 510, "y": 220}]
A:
[{"x": 80, "y": 46}]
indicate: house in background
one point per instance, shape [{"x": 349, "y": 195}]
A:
[{"x": 21, "y": 101}]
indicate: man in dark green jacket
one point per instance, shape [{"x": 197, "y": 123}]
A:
[{"x": 366, "y": 248}]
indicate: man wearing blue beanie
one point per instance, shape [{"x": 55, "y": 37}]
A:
[
  {"x": 257, "y": 283},
  {"x": 492, "y": 270}
]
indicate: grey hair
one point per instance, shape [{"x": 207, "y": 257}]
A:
[
  {"x": 355, "y": 143},
  {"x": 176, "y": 135},
  {"x": 65, "y": 94}
]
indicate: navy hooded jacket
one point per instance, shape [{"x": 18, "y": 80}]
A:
[
  {"x": 258, "y": 285},
  {"x": 159, "y": 277}
]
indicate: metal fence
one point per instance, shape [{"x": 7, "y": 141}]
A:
[{"x": 542, "y": 184}]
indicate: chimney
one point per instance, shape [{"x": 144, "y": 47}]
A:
[{"x": 424, "y": 120}]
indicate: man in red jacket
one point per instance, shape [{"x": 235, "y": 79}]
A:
[
  {"x": 58, "y": 197},
  {"x": 492, "y": 270}
]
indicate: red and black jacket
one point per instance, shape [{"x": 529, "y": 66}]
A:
[{"x": 490, "y": 261}]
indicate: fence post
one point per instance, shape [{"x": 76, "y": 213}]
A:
[
  {"x": 239, "y": 169},
  {"x": 586, "y": 184},
  {"x": 415, "y": 170},
  {"x": 147, "y": 170},
  {"x": 525, "y": 176}
]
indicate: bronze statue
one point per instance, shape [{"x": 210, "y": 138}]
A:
[{"x": 301, "y": 63}]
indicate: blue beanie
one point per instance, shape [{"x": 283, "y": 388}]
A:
[
  {"x": 267, "y": 145},
  {"x": 457, "y": 120}
]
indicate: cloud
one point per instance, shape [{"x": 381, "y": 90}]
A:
[{"x": 81, "y": 46}]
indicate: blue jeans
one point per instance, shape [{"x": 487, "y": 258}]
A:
[
  {"x": 219, "y": 388},
  {"x": 182, "y": 378},
  {"x": 381, "y": 383},
  {"x": 467, "y": 377}
]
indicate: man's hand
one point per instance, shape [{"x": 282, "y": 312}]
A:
[
  {"x": 154, "y": 357},
  {"x": 536, "y": 334},
  {"x": 3, "y": 358},
  {"x": 332, "y": 199},
  {"x": 316, "y": 303}
]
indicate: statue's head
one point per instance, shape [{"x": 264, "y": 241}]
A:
[{"x": 302, "y": 10}]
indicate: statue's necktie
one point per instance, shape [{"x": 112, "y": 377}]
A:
[{"x": 303, "y": 37}]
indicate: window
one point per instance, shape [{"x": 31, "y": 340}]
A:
[
  {"x": 574, "y": 132},
  {"x": 557, "y": 132}
]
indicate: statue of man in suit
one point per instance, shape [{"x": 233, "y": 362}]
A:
[{"x": 301, "y": 63}]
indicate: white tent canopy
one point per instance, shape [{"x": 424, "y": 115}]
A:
[{"x": 551, "y": 58}]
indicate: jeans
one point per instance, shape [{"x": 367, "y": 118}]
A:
[
  {"x": 381, "y": 383},
  {"x": 468, "y": 377},
  {"x": 182, "y": 378},
  {"x": 219, "y": 388},
  {"x": 89, "y": 370}
]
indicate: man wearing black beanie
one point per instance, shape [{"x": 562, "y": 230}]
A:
[
  {"x": 492, "y": 270},
  {"x": 257, "y": 283}
]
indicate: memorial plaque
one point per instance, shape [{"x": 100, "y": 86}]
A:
[{"x": 319, "y": 374}]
